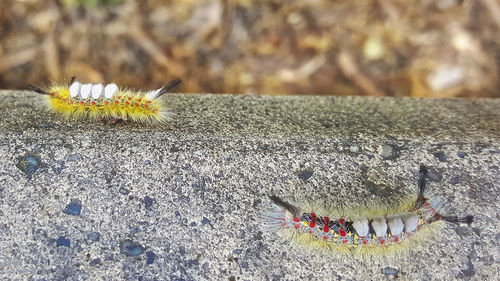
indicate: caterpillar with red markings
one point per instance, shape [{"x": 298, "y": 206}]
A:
[
  {"x": 98, "y": 102},
  {"x": 361, "y": 232}
]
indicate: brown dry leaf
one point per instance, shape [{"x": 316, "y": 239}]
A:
[{"x": 443, "y": 48}]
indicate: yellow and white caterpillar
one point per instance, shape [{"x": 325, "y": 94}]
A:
[
  {"x": 99, "y": 102},
  {"x": 362, "y": 232}
]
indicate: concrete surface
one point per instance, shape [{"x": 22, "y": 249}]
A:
[{"x": 182, "y": 201}]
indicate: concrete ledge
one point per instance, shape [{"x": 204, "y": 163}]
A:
[{"x": 182, "y": 201}]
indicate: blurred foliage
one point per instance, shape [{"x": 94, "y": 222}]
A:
[
  {"x": 90, "y": 3},
  {"x": 437, "y": 48}
]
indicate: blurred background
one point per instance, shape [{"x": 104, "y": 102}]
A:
[{"x": 433, "y": 48}]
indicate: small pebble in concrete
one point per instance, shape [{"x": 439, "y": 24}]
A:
[
  {"x": 63, "y": 241},
  {"x": 469, "y": 271},
  {"x": 28, "y": 164},
  {"x": 206, "y": 267},
  {"x": 134, "y": 230},
  {"x": 244, "y": 265},
  {"x": 109, "y": 177},
  {"x": 73, "y": 208},
  {"x": 192, "y": 263},
  {"x": 60, "y": 166},
  {"x": 200, "y": 152},
  {"x": 131, "y": 248},
  {"x": 390, "y": 271},
  {"x": 148, "y": 202},
  {"x": 456, "y": 179},
  {"x": 147, "y": 162},
  {"x": 150, "y": 257},
  {"x": 369, "y": 156},
  {"x": 94, "y": 236},
  {"x": 440, "y": 156},
  {"x": 95, "y": 262},
  {"x": 124, "y": 191},
  {"x": 237, "y": 251},
  {"x": 182, "y": 250},
  {"x": 306, "y": 174},
  {"x": 75, "y": 157},
  {"x": 388, "y": 151},
  {"x": 256, "y": 203},
  {"x": 110, "y": 257},
  {"x": 44, "y": 126},
  {"x": 460, "y": 154}
]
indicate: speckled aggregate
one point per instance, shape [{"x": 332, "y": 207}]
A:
[{"x": 208, "y": 173}]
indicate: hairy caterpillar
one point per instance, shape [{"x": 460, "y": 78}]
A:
[
  {"x": 361, "y": 232},
  {"x": 97, "y": 102}
]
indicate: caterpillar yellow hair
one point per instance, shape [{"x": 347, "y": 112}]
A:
[{"x": 99, "y": 102}]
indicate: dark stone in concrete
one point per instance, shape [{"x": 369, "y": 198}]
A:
[
  {"x": 73, "y": 208},
  {"x": 95, "y": 262},
  {"x": 306, "y": 174},
  {"x": 94, "y": 236},
  {"x": 150, "y": 257},
  {"x": 440, "y": 156},
  {"x": 131, "y": 248},
  {"x": 63, "y": 241},
  {"x": 148, "y": 202},
  {"x": 28, "y": 164},
  {"x": 390, "y": 271},
  {"x": 124, "y": 191}
]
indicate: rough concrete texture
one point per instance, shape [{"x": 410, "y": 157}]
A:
[{"x": 182, "y": 201}]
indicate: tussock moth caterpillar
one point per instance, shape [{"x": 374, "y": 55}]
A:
[
  {"x": 97, "y": 102},
  {"x": 361, "y": 232}
]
